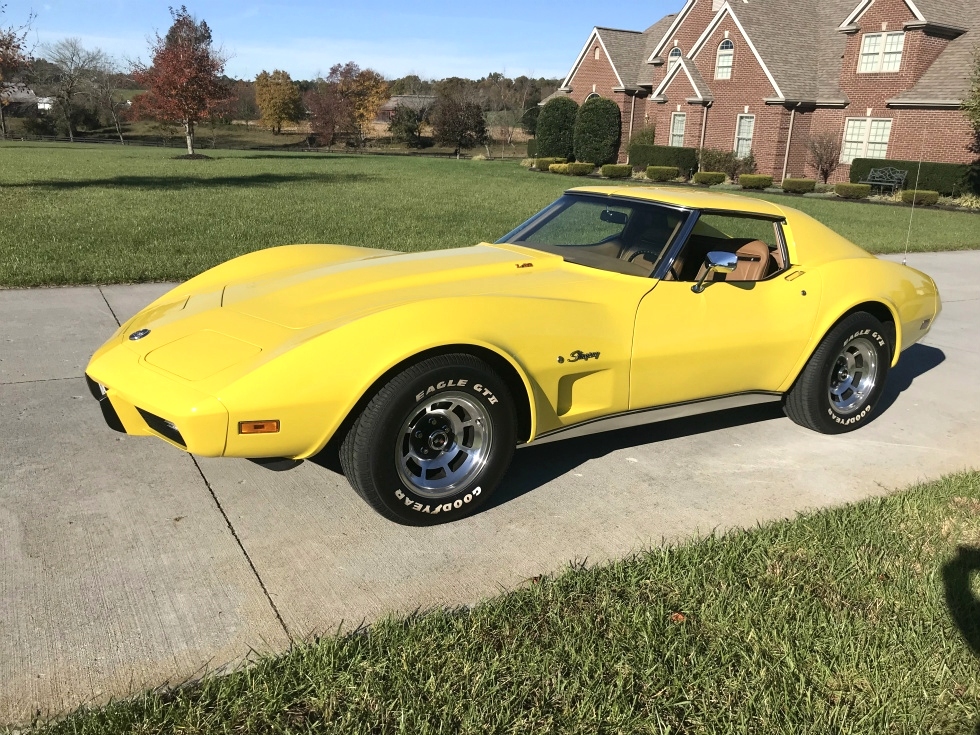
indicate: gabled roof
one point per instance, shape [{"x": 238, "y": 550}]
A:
[
  {"x": 625, "y": 49},
  {"x": 653, "y": 36},
  {"x": 621, "y": 47},
  {"x": 686, "y": 67}
]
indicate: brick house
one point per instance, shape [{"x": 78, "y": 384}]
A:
[{"x": 886, "y": 76}]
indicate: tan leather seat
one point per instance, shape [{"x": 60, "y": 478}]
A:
[{"x": 753, "y": 263}]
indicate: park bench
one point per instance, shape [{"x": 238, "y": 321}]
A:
[{"x": 890, "y": 178}]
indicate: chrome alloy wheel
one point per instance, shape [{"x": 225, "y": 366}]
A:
[
  {"x": 443, "y": 444},
  {"x": 853, "y": 376}
]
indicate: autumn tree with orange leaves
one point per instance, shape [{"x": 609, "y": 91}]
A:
[{"x": 184, "y": 80}]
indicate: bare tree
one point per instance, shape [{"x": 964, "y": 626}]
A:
[
  {"x": 13, "y": 58},
  {"x": 74, "y": 64},
  {"x": 823, "y": 153},
  {"x": 104, "y": 82}
]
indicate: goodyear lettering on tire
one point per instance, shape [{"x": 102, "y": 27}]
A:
[{"x": 441, "y": 507}]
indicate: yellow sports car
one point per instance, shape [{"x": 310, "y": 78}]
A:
[{"x": 610, "y": 308}]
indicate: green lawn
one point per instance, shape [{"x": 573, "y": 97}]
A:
[
  {"x": 108, "y": 214},
  {"x": 858, "y": 619}
]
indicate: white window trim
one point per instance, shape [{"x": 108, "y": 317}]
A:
[
  {"x": 728, "y": 52},
  {"x": 881, "y": 52},
  {"x": 581, "y": 57},
  {"x": 867, "y": 136},
  {"x": 670, "y": 132},
  {"x": 674, "y": 59},
  {"x": 738, "y": 121}
]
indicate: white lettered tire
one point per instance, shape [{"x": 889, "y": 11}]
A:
[
  {"x": 432, "y": 444},
  {"x": 840, "y": 386}
]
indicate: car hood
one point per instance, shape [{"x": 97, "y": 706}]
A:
[{"x": 301, "y": 299}]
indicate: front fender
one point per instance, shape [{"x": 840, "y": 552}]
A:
[
  {"x": 910, "y": 296},
  {"x": 312, "y": 388}
]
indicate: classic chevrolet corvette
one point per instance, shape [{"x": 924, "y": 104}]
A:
[{"x": 610, "y": 308}]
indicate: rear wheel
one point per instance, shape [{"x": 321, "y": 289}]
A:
[
  {"x": 839, "y": 388},
  {"x": 433, "y": 443}
]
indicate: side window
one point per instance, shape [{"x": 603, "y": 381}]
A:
[{"x": 757, "y": 242}]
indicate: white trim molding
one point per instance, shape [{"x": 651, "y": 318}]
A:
[
  {"x": 726, "y": 9},
  {"x": 862, "y": 8},
  {"x": 682, "y": 64},
  {"x": 670, "y": 31},
  {"x": 581, "y": 57}
]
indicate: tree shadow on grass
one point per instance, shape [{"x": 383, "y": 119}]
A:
[
  {"x": 964, "y": 607},
  {"x": 279, "y": 156},
  {"x": 157, "y": 183}
]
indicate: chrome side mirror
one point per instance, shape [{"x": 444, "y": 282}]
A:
[{"x": 717, "y": 261}]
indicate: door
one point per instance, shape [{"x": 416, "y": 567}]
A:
[{"x": 743, "y": 332}]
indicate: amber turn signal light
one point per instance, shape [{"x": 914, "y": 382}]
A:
[{"x": 258, "y": 427}]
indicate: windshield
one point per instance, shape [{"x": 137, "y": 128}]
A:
[{"x": 619, "y": 235}]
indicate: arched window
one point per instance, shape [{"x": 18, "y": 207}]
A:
[
  {"x": 596, "y": 53},
  {"x": 723, "y": 62},
  {"x": 672, "y": 58},
  {"x": 592, "y": 96}
]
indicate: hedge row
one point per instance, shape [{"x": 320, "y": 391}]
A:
[
  {"x": 642, "y": 156},
  {"x": 798, "y": 186},
  {"x": 949, "y": 179},
  {"x": 662, "y": 173},
  {"x": 616, "y": 171},
  {"x": 572, "y": 169}
]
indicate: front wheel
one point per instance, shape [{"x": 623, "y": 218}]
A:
[
  {"x": 433, "y": 443},
  {"x": 839, "y": 388}
]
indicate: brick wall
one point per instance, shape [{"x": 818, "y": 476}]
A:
[{"x": 596, "y": 75}]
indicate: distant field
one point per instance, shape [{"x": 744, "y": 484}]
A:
[{"x": 110, "y": 214}]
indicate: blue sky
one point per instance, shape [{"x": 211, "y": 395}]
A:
[{"x": 469, "y": 39}]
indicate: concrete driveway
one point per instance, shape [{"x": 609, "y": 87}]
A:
[{"x": 126, "y": 564}]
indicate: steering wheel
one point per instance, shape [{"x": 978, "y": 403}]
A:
[{"x": 637, "y": 253}]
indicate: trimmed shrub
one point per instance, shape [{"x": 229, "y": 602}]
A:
[
  {"x": 799, "y": 186},
  {"x": 597, "y": 129},
  {"x": 662, "y": 173},
  {"x": 527, "y": 162},
  {"x": 645, "y": 136},
  {"x": 949, "y": 179},
  {"x": 555, "y": 131},
  {"x": 532, "y": 148},
  {"x": 709, "y": 178},
  {"x": 616, "y": 171},
  {"x": 755, "y": 181},
  {"x": 727, "y": 162},
  {"x": 852, "y": 191},
  {"x": 684, "y": 159},
  {"x": 558, "y": 168},
  {"x": 542, "y": 164},
  {"x": 920, "y": 197}
]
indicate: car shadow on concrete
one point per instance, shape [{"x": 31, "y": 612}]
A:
[
  {"x": 537, "y": 465},
  {"x": 915, "y": 361},
  {"x": 534, "y": 466}
]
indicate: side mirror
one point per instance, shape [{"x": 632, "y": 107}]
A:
[
  {"x": 614, "y": 217},
  {"x": 717, "y": 261}
]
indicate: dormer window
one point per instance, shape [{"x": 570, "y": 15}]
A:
[
  {"x": 881, "y": 52},
  {"x": 724, "y": 59},
  {"x": 672, "y": 58}
]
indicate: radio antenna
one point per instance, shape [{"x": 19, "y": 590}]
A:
[{"x": 908, "y": 238}]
